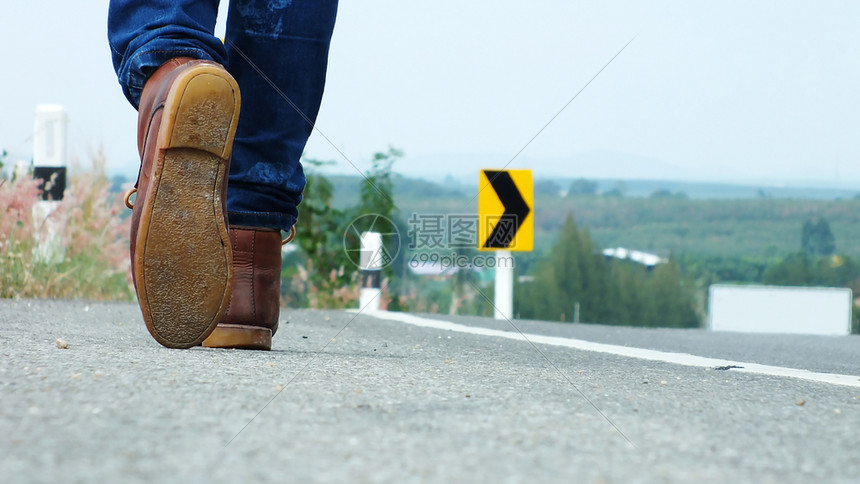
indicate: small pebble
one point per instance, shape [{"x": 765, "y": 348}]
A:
[
  {"x": 801, "y": 403},
  {"x": 61, "y": 344}
]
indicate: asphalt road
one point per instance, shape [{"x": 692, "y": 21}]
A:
[{"x": 390, "y": 402}]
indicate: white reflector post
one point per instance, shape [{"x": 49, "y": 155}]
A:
[
  {"x": 50, "y": 155},
  {"x": 371, "y": 271},
  {"x": 50, "y": 136},
  {"x": 504, "y": 298}
]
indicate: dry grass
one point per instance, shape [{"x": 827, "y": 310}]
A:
[
  {"x": 302, "y": 292},
  {"x": 91, "y": 232}
]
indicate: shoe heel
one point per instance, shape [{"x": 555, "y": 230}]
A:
[
  {"x": 239, "y": 337},
  {"x": 208, "y": 112}
]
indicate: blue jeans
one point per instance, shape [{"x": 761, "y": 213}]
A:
[{"x": 276, "y": 49}]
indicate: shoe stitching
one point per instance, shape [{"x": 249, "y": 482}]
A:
[{"x": 253, "y": 263}]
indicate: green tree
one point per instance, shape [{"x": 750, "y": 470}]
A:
[
  {"x": 582, "y": 187},
  {"x": 377, "y": 187},
  {"x": 661, "y": 193},
  {"x": 618, "y": 191},
  {"x": 668, "y": 301},
  {"x": 571, "y": 274},
  {"x": 665, "y": 193},
  {"x": 547, "y": 188},
  {"x": 794, "y": 270},
  {"x": 652, "y": 297},
  {"x": 839, "y": 271},
  {"x": 816, "y": 237},
  {"x": 465, "y": 281},
  {"x": 320, "y": 236},
  {"x": 377, "y": 199},
  {"x": 616, "y": 292},
  {"x": 324, "y": 232},
  {"x": 801, "y": 269},
  {"x": 627, "y": 281}
]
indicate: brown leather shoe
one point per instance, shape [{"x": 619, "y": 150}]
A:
[
  {"x": 252, "y": 314},
  {"x": 180, "y": 254}
]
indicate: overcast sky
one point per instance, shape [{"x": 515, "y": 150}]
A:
[{"x": 747, "y": 91}]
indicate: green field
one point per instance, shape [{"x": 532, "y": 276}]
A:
[
  {"x": 734, "y": 228},
  {"x": 750, "y": 227}
]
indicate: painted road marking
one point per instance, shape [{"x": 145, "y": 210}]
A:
[{"x": 630, "y": 352}]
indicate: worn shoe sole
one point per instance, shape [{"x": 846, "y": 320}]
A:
[
  {"x": 183, "y": 260},
  {"x": 240, "y": 337}
]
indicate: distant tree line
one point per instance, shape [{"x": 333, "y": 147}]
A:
[
  {"x": 815, "y": 264},
  {"x": 606, "y": 291},
  {"x": 753, "y": 241}
]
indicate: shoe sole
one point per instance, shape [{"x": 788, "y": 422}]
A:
[
  {"x": 183, "y": 258},
  {"x": 239, "y": 337}
]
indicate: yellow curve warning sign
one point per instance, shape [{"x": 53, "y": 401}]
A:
[{"x": 505, "y": 206}]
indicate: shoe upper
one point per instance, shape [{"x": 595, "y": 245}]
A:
[{"x": 256, "y": 297}]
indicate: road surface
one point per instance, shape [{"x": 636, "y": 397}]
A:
[{"x": 391, "y": 401}]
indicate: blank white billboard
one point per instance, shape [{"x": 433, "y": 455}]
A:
[{"x": 774, "y": 309}]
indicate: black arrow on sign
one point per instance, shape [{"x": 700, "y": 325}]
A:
[{"x": 516, "y": 210}]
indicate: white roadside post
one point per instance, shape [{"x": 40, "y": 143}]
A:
[
  {"x": 504, "y": 298},
  {"x": 50, "y": 154},
  {"x": 371, "y": 271}
]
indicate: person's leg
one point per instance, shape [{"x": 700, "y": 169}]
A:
[
  {"x": 144, "y": 34},
  {"x": 188, "y": 110},
  {"x": 278, "y": 52}
]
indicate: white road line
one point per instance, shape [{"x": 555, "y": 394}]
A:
[{"x": 640, "y": 353}]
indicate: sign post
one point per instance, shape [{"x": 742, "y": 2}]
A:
[
  {"x": 504, "y": 293},
  {"x": 50, "y": 153},
  {"x": 505, "y": 224}
]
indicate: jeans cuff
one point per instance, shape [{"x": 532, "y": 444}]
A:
[
  {"x": 143, "y": 64},
  {"x": 267, "y": 220}
]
